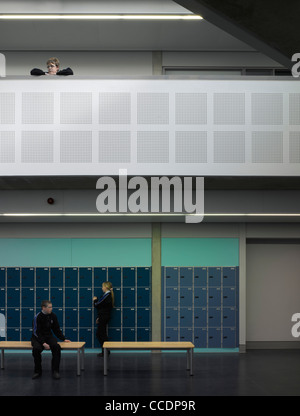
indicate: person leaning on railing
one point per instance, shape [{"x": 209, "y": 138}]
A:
[{"x": 53, "y": 69}]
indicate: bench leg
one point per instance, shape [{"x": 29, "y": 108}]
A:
[
  {"x": 78, "y": 361},
  {"x": 82, "y": 358},
  {"x": 105, "y": 361},
  {"x": 190, "y": 353},
  {"x": 2, "y": 359}
]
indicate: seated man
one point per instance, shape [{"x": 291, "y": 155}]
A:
[
  {"x": 53, "y": 69},
  {"x": 42, "y": 338}
]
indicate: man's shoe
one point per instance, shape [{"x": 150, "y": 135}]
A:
[
  {"x": 36, "y": 375},
  {"x": 56, "y": 375}
]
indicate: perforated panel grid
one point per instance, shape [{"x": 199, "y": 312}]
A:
[
  {"x": 76, "y": 147},
  {"x": 229, "y": 147},
  {"x": 76, "y": 108},
  {"x": 229, "y": 108},
  {"x": 37, "y": 108},
  {"x": 114, "y": 108},
  {"x": 295, "y": 147},
  {"x": 153, "y": 108},
  {"x": 7, "y": 108},
  {"x": 37, "y": 147},
  {"x": 114, "y": 147},
  {"x": 153, "y": 147},
  {"x": 191, "y": 108},
  {"x": 267, "y": 109},
  {"x": 267, "y": 147},
  {"x": 294, "y": 101},
  {"x": 191, "y": 147},
  {"x": 7, "y": 147}
]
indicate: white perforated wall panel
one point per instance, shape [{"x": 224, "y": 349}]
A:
[{"x": 149, "y": 126}]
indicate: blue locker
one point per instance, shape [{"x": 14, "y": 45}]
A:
[
  {"x": 186, "y": 335},
  {"x": 214, "y": 317},
  {"x": 143, "y": 334},
  {"x": 13, "y": 334},
  {"x": 229, "y": 338},
  {"x": 85, "y": 277},
  {"x": 71, "y": 317},
  {"x": 71, "y": 297},
  {"x": 100, "y": 276},
  {"x": 128, "y": 334},
  {"x": 2, "y": 296},
  {"x": 186, "y": 276},
  {"x": 171, "y": 317},
  {"x": 116, "y": 317},
  {"x": 59, "y": 312},
  {"x": 56, "y": 277},
  {"x": 42, "y": 277},
  {"x": 114, "y": 334},
  {"x": 200, "y": 337},
  {"x": 27, "y": 315},
  {"x": 186, "y": 297},
  {"x": 26, "y": 334},
  {"x": 86, "y": 335},
  {"x": 229, "y": 317},
  {"x": 117, "y": 296},
  {"x": 128, "y": 317},
  {"x": 57, "y": 297},
  {"x": 128, "y": 276},
  {"x": 143, "y": 276},
  {"x": 2, "y": 277},
  {"x": 71, "y": 277},
  {"x": 13, "y": 297},
  {"x": 186, "y": 317},
  {"x": 171, "y": 297},
  {"x": 13, "y": 277},
  {"x": 27, "y": 297},
  {"x": 27, "y": 277},
  {"x": 72, "y": 334},
  {"x": 171, "y": 276},
  {"x": 85, "y": 297},
  {"x": 172, "y": 334},
  {"x": 214, "y": 337},
  {"x": 13, "y": 317},
  {"x": 229, "y": 295},
  {"x": 228, "y": 275},
  {"x": 143, "y": 317},
  {"x": 200, "y": 317},
  {"x": 214, "y": 276},
  {"x": 143, "y": 296},
  {"x": 200, "y": 297},
  {"x": 128, "y": 297},
  {"x": 214, "y": 296},
  {"x": 200, "y": 276},
  {"x": 114, "y": 276},
  {"x": 40, "y": 295},
  {"x": 85, "y": 317}
]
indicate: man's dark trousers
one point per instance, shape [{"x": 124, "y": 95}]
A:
[{"x": 37, "y": 349}]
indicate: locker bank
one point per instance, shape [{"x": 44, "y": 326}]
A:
[{"x": 161, "y": 92}]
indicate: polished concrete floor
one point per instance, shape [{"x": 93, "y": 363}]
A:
[{"x": 255, "y": 373}]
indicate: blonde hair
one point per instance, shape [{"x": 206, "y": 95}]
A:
[
  {"x": 54, "y": 61},
  {"x": 109, "y": 286}
]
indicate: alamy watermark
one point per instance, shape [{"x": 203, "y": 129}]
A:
[
  {"x": 296, "y": 328},
  {"x": 155, "y": 195},
  {"x": 296, "y": 67}
]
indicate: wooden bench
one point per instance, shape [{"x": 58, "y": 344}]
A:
[
  {"x": 188, "y": 346},
  {"x": 26, "y": 345}
]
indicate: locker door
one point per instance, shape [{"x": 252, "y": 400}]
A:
[
  {"x": 71, "y": 297},
  {"x": 228, "y": 275},
  {"x": 26, "y": 334},
  {"x": 172, "y": 299},
  {"x": 172, "y": 334},
  {"x": 186, "y": 334},
  {"x": 214, "y": 296},
  {"x": 86, "y": 335},
  {"x": 59, "y": 312},
  {"x": 171, "y": 276},
  {"x": 228, "y": 317},
  {"x": 40, "y": 295},
  {"x": 200, "y": 297},
  {"x": 57, "y": 297},
  {"x": 85, "y": 277},
  {"x": 214, "y": 338},
  {"x": 85, "y": 297},
  {"x": 72, "y": 334},
  {"x": 85, "y": 317},
  {"x": 2, "y": 277},
  {"x": 128, "y": 334},
  {"x": 229, "y": 338},
  {"x": 128, "y": 276},
  {"x": 117, "y": 296},
  {"x": 171, "y": 317},
  {"x": 115, "y": 320},
  {"x": 114, "y": 276},
  {"x": 71, "y": 277},
  {"x": 13, "y": 277},
  {"x": 186, "y": 317},
  {"x": 200, "y": 337},
  {"x": 214, "y": 317},
  {"x": 27, "y": 277},
  {"x": 27, "y": 315},
  {"x": 13, "y": 317},
  {"x": 56, "y": 277},
  {"x": 2, "y": 296},
  {"x": 214, "y": 276},
  {"x": 128, "y": 297},
  {"x": 200, "y": 317},
  {"x": 143, "y": 276},
  {"x": 71, "y": 317},
  {"x": 186, "y": 297},
  {"x": 143, "y": 317},
  {"x": 114, "y": 334},
  {"x": 200, "y": 276},
  {"x": 13, "y": 297},
  {"x": 229, "y": 294},
  {"x": 143, "y": 334},
  {"x": 27, "y": 297},
  {"x": 143, "y": 296},
  {"x": 186, "y": 276},
  {"x": 128, "y": 317},
  {"x": 42, "y": 277},
  {"x": 13, "y": 334},
  {"x": 100, "y": 276}
]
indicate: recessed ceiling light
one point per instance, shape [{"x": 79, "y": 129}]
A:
[{"x": 100, "y": 17}]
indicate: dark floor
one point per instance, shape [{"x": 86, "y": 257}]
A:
[{"x": 255, "y": 373}]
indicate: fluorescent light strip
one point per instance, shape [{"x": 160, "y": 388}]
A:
[
  {"x": 100, "y": 17},
  {"x": 144, "y": 214}
]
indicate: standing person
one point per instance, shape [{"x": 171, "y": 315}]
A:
[
  {"x": 53, "y": 69},
  {"x": 44, "y": 325},
  {"x": 104, "y": 306}
]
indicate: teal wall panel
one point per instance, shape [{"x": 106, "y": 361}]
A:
[{"x": 207, "y": 252}]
